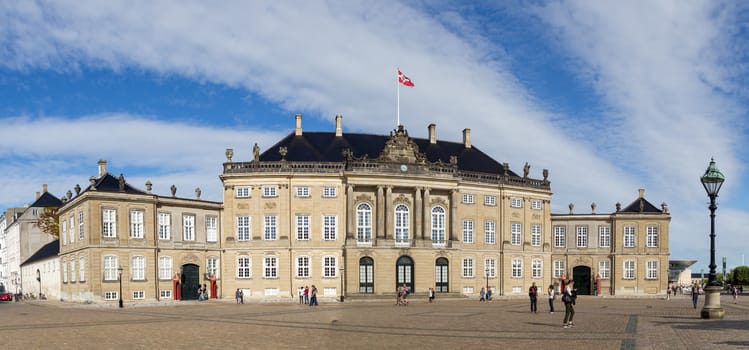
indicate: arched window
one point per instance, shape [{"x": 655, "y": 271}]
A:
[
  {"x": 438, "y": 224},
  {"x": 401, "y": 224},
  {"x": 364, "y": 223}
]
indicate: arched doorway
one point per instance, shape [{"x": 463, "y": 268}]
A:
[
  {"x": 190, "y": 281},
  {"x": 404, "y": 272},
  {"x": 441, "y": 276},
  {"x": 366, "y": 275},
  {"x": 581, "y": 275}
]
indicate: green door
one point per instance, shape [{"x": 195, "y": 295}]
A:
[{"x": 190, "y": 281}]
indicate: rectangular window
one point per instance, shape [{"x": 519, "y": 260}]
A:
[
  {"x": 165, "y": 226},
  {"x": 243, "y": 267},
  {"x": 64, "y": 232},
  {"x": 212, "y": 266},
  {"x": 652, "y": 236},
  {"x": 270, "y": 191},
  {"x": 139, "y": 294},
  {"x": 269, "y": 228},
  {"x": 516, "y": 202},
  {"x": 537, "y": 204},
  {"x": 490, "y": 200},
  {"x": 467, "y": 267},
  {"x": 270, "y": 267},
  {"x": 467, "y": 198},
  {"x": 517, "y": 268},
  {"x": 629, "y": 236},
  {"x": 136, "y": 224},
  {"x": 560, "y": 237},
  {"x": 211, "y": 228},
  {"x": 110, "y": 268},
  {"x": 243, "y": 228},
  {"x": 110, "y": 295},
  {"x": 582, "y": 236},
  {"x": 80, "y": 225},
  {"x": 82, "y": 268},
  {"x": 302, "y": 267},
  {"x": 302, "y": 227},
  {"x": 537, "y": 268},
  {"x": 138, "y": 270},
  {"x": 490, "y": 232},
  {"x": 72, "y": 270},
  {"x": 165, "y": 267},
  {"x": 109, "y": 223},
  {"x": 329, "y": 192},
  {"x": 329, "y": 227},
  {"x": 490, "y": 268},
  {"x": 604, "y": 236},
  {"x": 604, "y": 268},
  {"x": 302, "y": 191},
  {"x": 652, "y": 270},
  {"x": 188, "y": 227},
  {"x": 329, "y": 267},
  {"x": 629, "y": 270},
  {"x": 536, "y": 235},
  {"x": 558, "y": 268},
  {"x": 516, "y": 230},
  {"x": 72, "y": 229},
  {"x": 242, "y": 192},
  {"x": 467, "y": 231},
  {"x": 165, "y": 294}
]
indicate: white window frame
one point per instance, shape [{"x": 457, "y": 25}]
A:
[
  {"x": 244, "y": 267},
  {"x": 303, "y": 266},
  {"x": 652, "y": 236},
  {"x": 402, "y": 223},
  {"x": 582, "y": 236},
  {"x": 139, "y": 295},
  {"x": 270, "y": 191},
  {"x": 537, "y": 268},
  {"x": 302, "y": 227},
  {"x": 490, "y": 200},
  {"x": 111, "y": 265},
  {"x": 165, "y": 267},
  {"x": 64, "y": 271},
  {"x": 64, "y": 232},
  {"x": 136, "y": 223},
  {"x": 490, "y": 265},
  {"x": 517, "y": 268},
  {"x": 536, "y": 204},
  {"x": 329, "y": 227},
  {"x": 243, "y": 228},
  {"x": 329, "y": 192},
  {"x": 516, "y": 202},
  {"x": 438, "y": 225},
  {"x": 165, "y": 226},
  {"x": 467, "y": 231},
  {"x": 364, "y": 223},
  {"x": 109, "y": 223},
  {"x": 81, "y": 226},
  {"x": 138, "y": 268},
  {"x": 560, "y": 236},
  {"x": 302, "y": 191},
  {"x": 651, "y": 270},
  {"x": 72, "y": 228},
  {"x": 110, "y": 296},
  {"x": 211, "y": 228},
  {"x": 468, "y": 270},
  {"x": 604, "y": 236},
  {"x": 629, "y": 236},
  {"x": 242, "y": 192},
  {"x": 559, "y": 268},
  {"x": 330, "y": 266},
  {"x": 270, "y": 228},
  {"x": 536, "y": 235},
  {"x": 516, "y": 233},
  {"x": 490, "y": 232},
  {"x": 270, "y": 266},
  {"x": 212, "y": 266},
  {"x": 165, "y": 294},
  {"x": 468, "y": 198},
  {"x": 82, "y": 268},
  {"x": 72, "y": 269},
  {"x": 188, "y": 227},
  {"x": 604, "y": 269},
  {"x": 629, "y": 268}
]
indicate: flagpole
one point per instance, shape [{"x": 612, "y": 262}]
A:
[{"x": 398, "y": 88}]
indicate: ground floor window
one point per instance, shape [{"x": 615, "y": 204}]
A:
[
  {"x": 139, "y": 294},
  {"x": 110, "y": 295},
  {"x": 165, "y": 294}
]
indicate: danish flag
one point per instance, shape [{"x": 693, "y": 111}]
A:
[{"x": 403, "y": 79}]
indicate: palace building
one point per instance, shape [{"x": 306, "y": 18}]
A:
[{"x": 356, "y": 215}]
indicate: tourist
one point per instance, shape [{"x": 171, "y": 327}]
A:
[
  {"x": 551, "y": 293},
  {"x": 533, "y": 294},
  {"x": 568, "y": 298}
]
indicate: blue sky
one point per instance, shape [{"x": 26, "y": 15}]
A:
[{"x": 609, "y": 96}]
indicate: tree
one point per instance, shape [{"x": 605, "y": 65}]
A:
[
  {"x": 740, "y": 275},
  {"x": 49, "y": 221}
]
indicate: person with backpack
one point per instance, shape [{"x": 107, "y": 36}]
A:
[{"x": 568, "y": 298}]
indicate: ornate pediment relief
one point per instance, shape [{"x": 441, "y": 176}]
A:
[
  {"x": 364, "y": 198},
  {"x": 402, "y": 199},
  {"x": 400, "y": 148}
]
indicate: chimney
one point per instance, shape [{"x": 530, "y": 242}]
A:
[
  {"x": 44, "y": 188},
  {"x": 432, "y": 133},
  {"x": 467, "y": 138},
  {"x": 338, "y": 126},
  {"x": 642, "y": 193},
  {"x": 102, "y": 167},
  {"x": 298, "y": 131},
  {"x": 37, "y": 194}
]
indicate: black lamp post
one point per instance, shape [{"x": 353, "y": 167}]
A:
[
  {"x": 119, "y": 277},
  {"x": 486, "y": 272},
  {"x": 712, "y": 180},
  {"x": 39, "y": 278}
]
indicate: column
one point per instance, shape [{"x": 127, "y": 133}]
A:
[
  {"x": 350, "y": 211},
  {"x": 454, "y": 228},
  {"x": 380, "y": 213},
  {"x": 389, "y": 212},
  {"x": 426, "y": 233},
  {"x": 417, "y": 232}
]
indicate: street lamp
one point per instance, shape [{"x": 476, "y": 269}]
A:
[
  {"x": 712, "y": 180},
  {"x": 341, "y": 278},
  {"x": 39, "y": 278},
  {"x": 486, "y": 272},
  {"x": 119, "y": 277}
]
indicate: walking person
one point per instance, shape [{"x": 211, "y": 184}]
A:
[
  {"x": 481, "y": 295},
  {"x": 695, "y": 294},
  {"x": 488, "y": 295},
  {"x": 398, "y": 296},
  {"x": 568, "y": 298},
  {"x": 405, "y": 295},
  {"x": 533, "y": 294},
  {"x": 735, "y": 293},
  {"x": 313, "y": 296},
  {"x": 551, "y": 293},
  {"x": 431, "y": 294},
  {"x": 300, "y": 293},
  {"x": 306, "y": 294},
  {"x": 238, "y": 296}
]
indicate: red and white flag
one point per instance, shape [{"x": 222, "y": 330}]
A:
[{"x": 403, "y": 79}]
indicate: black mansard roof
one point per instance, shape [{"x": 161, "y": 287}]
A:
[
  {"x": 49, "y": 250},
  {"x": 47, "y": 200},
  {"x": 641, "y": 205}
]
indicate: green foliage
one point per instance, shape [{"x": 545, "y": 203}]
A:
[
  {"x": 740, "y": 275},
  {"x": 49, "y": 221}
]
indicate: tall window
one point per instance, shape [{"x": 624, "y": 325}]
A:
[
  {"x": 559, "y": 268},
  {"x": 212, "y": 266},
  {"x": 302, "y": 267},
  {"x": 329, "y": 266},
  {"x": 242, "y": 192},
  {"x": 535, "y": 235},
  {"x": 517, "y": 268},
  {"x": 165, "y": 226},
  {"x": 82, "y": 268},
  {"x": 136, "y": 224},
  {"x": 467, "y": 231},
  {"x": 582, "y": 236},
  {"x": 490, "y": 267},
  {"x": 270, "y": 267},
  {"x": 537, "y": 268},
  {"x": 72, "y": 270},
  {"x": 364, "y": 223},
  {"x": 165, "y": 267},
  {"x": 329, "y": 227},
  {"x": 109, "y": 223},
  {"x": 560, "y": 237},
  {"x": 243, "y": 228},
  {"x": 490, "y": 232},
  {"x": 110, "y": 268},
  {"x": 80, "y": 225},
  {"x": 515, "y": 233},
  {"x": 652, "y": 236},
  {"x": 270, "y": 229},
  {"x": 401, "y": 223},
  {"x": 138, "y": 270},
  {"x": 72, "y": 229},
  {"x": 467, "y": 267},
  {"x": 64, "y": 232},
  {"x": 302, "y": 227},
  {"x": 438, "y": 224},
  {"x": 604, "y": 269},
  {"x": 629, "y": 269},
  {"x": 604, "y": 236},
  {"x": 211, "y": 228},
  {"x": 652, "y": 269},
  {"x": 629, "y": 236},
  {"x": 243, "y": 267},
  {"x": 188, "y": 227},
  {"x": 64, "y": 271}
]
